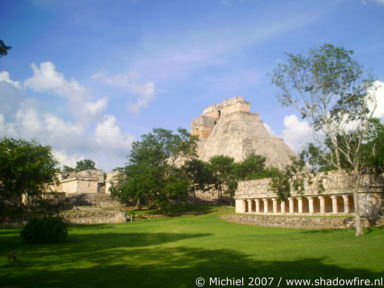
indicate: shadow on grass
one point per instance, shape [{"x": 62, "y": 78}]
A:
[{"x": 137, "y": 260}]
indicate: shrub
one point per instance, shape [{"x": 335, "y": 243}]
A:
[{"x": 45, "y": 230}]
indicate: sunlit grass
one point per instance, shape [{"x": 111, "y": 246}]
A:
[{"x": 173, "y": 251}]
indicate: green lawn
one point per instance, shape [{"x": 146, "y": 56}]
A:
[{"x": 173, "y": 251}]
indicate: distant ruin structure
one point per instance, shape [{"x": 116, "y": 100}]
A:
[
  {"x": 229, "y": 128},
  {"x": 87, "y": 181}
]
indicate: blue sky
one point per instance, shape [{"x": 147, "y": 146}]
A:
[{"x": 88, "y": 77}]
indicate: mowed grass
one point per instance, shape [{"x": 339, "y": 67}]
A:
[{"x": 174, "y": 251}]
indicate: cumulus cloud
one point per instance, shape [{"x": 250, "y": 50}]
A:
[
  {"x": 47, "y": 128},
  {"x": 67, "y": 159},
  {"x": 109, "y": 136},
  {"x": 296, "y": 133},
  {"x": 4, "y": 77},
  {"x": 97, "y": 106},
  {"x": 87, "y": 135},
  {"x": 46, "y": 79},
  {"x": 129, "y": 81}
]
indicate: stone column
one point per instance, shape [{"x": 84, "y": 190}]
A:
[
  {"x": 334, "y": 204},
  {"x": 265, "y": 205},
  {"x": 282, "y": 207},
  {"x": 322, "y": 204},
  {"x": 274, "y": 200},
  {"x": 249, "y": 205},
  {"x": 300, "y": 206},
  {"x": 290, "y": 205},
  {"x": 310, "y": 205},
  {"x": 346, "y": 204},
  {"x": 257, "y": 205},
  {"x": 240, "y": 206}
]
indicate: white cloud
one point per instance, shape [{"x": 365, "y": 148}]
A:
[
  {"x": 97, "y": 106},
  {"x": 110, "y": 137},
  {"x": 4, "y": 76},
  {"x": 65, "y": 159},
  {"x": 129, "y": 81},
  {"x": 71, "y": 140},
  {"x": 378, "y": 90},
  {"x": 47, "y": 128},
  {"x": 296, "y": 133},
  {"x": 46, "y": 79}
]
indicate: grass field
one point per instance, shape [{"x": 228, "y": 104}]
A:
[{"x": 174, "y": 251}]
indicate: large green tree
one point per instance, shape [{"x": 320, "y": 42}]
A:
[
  {"x": 223, "y": 169},
  {"x": 85, "y": 164},
  {"x": 81, "y": 165},
  {"x": 199, "y": 174},
  {"x": 329, "y": 89},
  {"x": 153, "y": 175},
  {"x": 26, "y": 169}
]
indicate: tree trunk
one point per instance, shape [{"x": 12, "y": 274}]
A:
[
  {"x": 359, "y": 230},
  {"x": 138, "y": 204}
]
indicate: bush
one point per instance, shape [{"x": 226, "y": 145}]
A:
[{"x": 45, "y": 230}]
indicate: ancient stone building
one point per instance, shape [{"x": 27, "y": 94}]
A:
[
  {"x": 255, "y": 197},
  {"x": 229, "y": 128},
  {"x": 87, "y": 181}
]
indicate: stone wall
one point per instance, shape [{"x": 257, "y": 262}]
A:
[
  {"x": 335, "y": 197},
  {"x": 86, "y": 215},
  {"x": 294, "y": 221}
]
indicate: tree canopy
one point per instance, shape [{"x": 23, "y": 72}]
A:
[
  {"x": 152, "y": 174},
  {"x": 81, "y": 165},
  {"x": 26, "y": 169}
]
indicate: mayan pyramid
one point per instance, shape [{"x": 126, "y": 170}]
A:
[{"x": 229, "y": 128}]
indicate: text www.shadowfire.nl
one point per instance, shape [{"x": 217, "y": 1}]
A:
[{"x": 286, "y": 282}]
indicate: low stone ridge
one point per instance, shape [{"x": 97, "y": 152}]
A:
[
  {"x": 92, "y": 215},
  {"x": 229, "y": 128},
  {"x": 295, "y": 221},
  {"x": 92, "y": 199}
]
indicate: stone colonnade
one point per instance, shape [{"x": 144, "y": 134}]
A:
[{"x": 323, "y": 204}]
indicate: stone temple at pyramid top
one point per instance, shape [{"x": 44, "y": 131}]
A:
[{"x": 229, "y": 128}]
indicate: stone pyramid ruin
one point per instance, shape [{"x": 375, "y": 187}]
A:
[{"x": 229, "y": 128}]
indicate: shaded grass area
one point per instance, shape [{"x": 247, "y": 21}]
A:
[{"x": 172, "y": 252}]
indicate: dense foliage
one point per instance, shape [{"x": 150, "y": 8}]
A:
[
  {"x": 26, "y": 169},
  {"x": 81, "y": 165},
  {"x": 152, "y": 174},
  {"x": 45, "y": 230}
]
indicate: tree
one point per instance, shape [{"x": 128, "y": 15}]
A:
[
  {"x": 329, "y": 89},
  {"x": 26, "y": 169},
  {"x": 67, "y": 169},
  {"x": 199, "y": 174},
  {"x": 85, "y": 164},
  {"x": 375, "y": 143},
  {"x": 152, "y": 174},
  {"x": 223, "y": 168},
  {"x": 250, "y": 168},
  {"x": 4, "y": 48}
]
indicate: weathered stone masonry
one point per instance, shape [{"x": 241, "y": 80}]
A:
[{"x": 254, "y": 197}]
